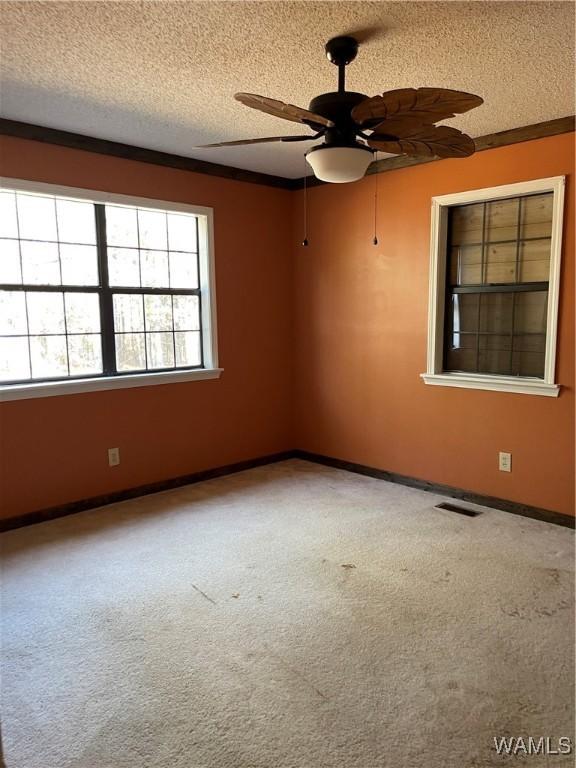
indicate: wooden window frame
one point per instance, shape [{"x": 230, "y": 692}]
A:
[
  {"x": 435, "y": 373},
  {"x": 206, "y": 292}
]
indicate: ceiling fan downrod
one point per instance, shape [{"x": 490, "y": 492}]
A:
[{"x": 341, "y": 51}]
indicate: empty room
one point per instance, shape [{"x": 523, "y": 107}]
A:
[{"x": 287, "y": 352}]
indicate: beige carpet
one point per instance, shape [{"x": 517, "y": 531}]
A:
[{"x": 291, "y": 616}]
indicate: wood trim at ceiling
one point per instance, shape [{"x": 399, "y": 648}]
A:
[{"x": 129, "y": 152}]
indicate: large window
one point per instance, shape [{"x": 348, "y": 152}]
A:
[
  {"x": 494, "y": 288},
  {"x": 102, "y": 288}
]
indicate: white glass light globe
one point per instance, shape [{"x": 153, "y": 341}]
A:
[{"x": 339, "y": 165}]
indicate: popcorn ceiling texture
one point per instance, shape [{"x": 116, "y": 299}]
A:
[
  {"x": 162, "y": 75},
  {"x": 292, "y": 616}
]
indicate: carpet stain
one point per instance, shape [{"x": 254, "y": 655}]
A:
[
  {"x": 296, "y": 672},
  {"x": 203, "y": 594}
]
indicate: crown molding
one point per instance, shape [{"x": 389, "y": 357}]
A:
[
  {"x": 154, "y": 157},
  {"x": 129, "y": 152}
]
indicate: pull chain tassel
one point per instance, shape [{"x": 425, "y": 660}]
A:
[
  {"x": 375, "y": 239},
  {"x": 305, "y": 241}
]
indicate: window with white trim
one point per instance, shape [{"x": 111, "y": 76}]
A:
[
  {"x": 494, "y": 286},
  {"x": 98, "y": 286}
]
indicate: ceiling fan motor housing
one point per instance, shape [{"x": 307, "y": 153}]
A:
[{"x": 337, "y": 107}]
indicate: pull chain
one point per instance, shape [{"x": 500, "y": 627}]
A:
[
  {"x": 305, "y": 241},
  {"x": 375, "y": 239}
]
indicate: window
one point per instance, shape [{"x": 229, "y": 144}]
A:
[
  {"x": 99, "y": 291},
  {"x": 495, "y": 266}
]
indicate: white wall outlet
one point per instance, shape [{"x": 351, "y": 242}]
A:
[
  {"x": 505, "y": 462},
  {"x": 113, "y": 457}
]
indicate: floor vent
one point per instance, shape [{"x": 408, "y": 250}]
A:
[{"x": 460, "y": 510}]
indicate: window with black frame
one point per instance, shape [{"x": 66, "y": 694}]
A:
[
  {"x": 498, "y": 270},
  {"x": 89, "y": 289}
]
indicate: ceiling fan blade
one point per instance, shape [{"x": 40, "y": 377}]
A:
[
  {"x": 398, "y": 127},
  {"x": 425, "y": 104},
  {"x": 281, "y": 109},
  {"x": 427, "y": 141},
  {"x": 266, "y": 140}
]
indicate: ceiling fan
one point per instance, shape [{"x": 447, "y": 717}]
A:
[{"x": 353, "y": 125}]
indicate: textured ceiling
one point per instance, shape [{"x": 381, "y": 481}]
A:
[{"x": 162, "y": 75}]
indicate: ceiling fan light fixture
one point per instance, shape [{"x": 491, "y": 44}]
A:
[{"x": 339, "y": 165}]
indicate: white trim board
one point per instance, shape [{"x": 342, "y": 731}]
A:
[
  {"x": 436, "y": 298},
  {"x": 207, "y": 284},
  {"x": 102, "y": 383}
]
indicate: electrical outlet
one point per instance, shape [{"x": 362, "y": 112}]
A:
[
  {"x": 113, "y": 457},
  {"x": 505, "y": 462}
]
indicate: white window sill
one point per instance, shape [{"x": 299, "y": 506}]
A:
[
  {"x": 77, "y": 386},
  {"x": 524, "y": 386}
]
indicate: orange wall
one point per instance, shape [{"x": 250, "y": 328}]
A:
[
  {"x": 351, "y": 337},
  {"x": 54, "y": 450},
  {"x": 361, "y": 321}
]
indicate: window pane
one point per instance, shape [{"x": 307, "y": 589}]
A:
[
  {"x": 13, "y": 313},
  {"x": 461, "y": 360},
  {"x": 528, "y": 364},
  {"x": 76, "y": 222},
  {"x": 121, "y": 226},
  {"x": 535, "y": 261},
  {"x": 495, "y": 342},
  {"x": 154, "y": 266},
  {"x": 8, "y": 221},
  {"x": 128, "y": 312},
  {"x": 82, "y": 312},
  {"x": 45, "y": 312},
  {"x": 529, "y": 355},
  {"x": 494, "y": 361},
  {"x": 152, "y": 229},
  {"x": 466, "y": 224},
  {"x": 537, "y": 216},
  {"x": 187, "y": 348},
  {"x": 464, "y": 340},
  {"x": 14, "y": 359},
  {"x": 464, "y": 315},
  {"x": 500, "y": 263},
  {"x": 124, "y": 267},
  {"x": 36, "y": 217},
  {"x": 10, "y": 272},
  {"x": 40, "y": 263},
  {"x": 186, "y": 313},
  {"x": 158, "y": 313},
  {"x": 466, "y": 265},
  {"x": 496, "y": 310},
  {"x": 79, "y": 264},
  {"x": 49, "y": 356},
  {"x": 502, "y": 220},
  {"x": 182, "y": 232},
  {"x": 530, "y": 342},
  {"x": 130, "y": 352},
  {"x": 85, "y": 354},
  {"x": 160, "y": 350},
  {"x": 183, "y": 270},
  {"x": 530, "y": 313}
]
